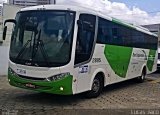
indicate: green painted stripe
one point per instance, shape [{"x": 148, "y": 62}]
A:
[
  {"x": 43, "y": 86},
  {"x": 121, "y": 23},
  {"x": 118, "y": 58},
  {"x": 151, "y": 58}
]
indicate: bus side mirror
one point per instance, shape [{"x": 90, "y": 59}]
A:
[
  {"x": 10, "y": 20},
  {"x": 5, "y": 27},
  {"x": 4, "y": 32}
]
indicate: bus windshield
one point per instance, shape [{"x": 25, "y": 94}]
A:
[{"x": 42, "y": 38}]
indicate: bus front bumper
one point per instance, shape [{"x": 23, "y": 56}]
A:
[{"x": 62, "y": 87}]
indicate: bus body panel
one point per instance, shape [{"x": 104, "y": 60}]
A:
[
  {"x": 37, "y": 72},
  {"x": 138, "y": 60},
  {"x": 158, "y": 61}
]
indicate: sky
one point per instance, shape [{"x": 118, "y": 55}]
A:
[
  {"x": 140, "y": 12},
  {"x": 146, "y": 5}
]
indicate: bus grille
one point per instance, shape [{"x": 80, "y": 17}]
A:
[{"x": 32, "y": 78}]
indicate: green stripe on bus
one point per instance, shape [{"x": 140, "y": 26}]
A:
[
  {"x": 151, "y": 58},
  {"x": 121, "y": 23},
  {"x": 118, "y": 58},
  {"x": 43, "y": 86}
]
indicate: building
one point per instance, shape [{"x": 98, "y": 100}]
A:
[
  {"x": 26, "y": 3},
  {"x": 23, "y": 3},
  {"x": 53, "y": 1},
  {"x": 153, "y": 28},
  {"x": 1, "y": 10},
  {"x": 1, "y": 14},
  {"x": 42, "y": 2}
]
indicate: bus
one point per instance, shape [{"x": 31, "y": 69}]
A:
[
  {"x": 158, "y": 61},
  {"x": 66, "y": 50}
]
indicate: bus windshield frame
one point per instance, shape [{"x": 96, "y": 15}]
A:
[{"x": 42, "y": 38}]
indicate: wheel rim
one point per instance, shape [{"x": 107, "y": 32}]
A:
[
  {"x": 96, "y": 86},
  {"x": 143, "y": 75}
]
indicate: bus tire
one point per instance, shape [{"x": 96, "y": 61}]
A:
[
  {"x": 142, "y": 77},
  {"x": 97, "y": 87}
]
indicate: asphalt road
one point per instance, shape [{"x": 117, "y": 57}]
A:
[{"x": 122, "y": 98}]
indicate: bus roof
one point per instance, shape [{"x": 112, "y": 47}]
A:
[{"x": 90, "y": 11}]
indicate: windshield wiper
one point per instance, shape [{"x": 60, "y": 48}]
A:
[
  {"x": 22, "y": 50},
  {"x": 40, "y": 44}
]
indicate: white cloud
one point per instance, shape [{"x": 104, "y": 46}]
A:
[{"x": 118, "y": 10}]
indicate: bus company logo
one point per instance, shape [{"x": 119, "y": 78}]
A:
[
  {"x": 142, "y": 55},
  {"x": 138, "y": 55}
]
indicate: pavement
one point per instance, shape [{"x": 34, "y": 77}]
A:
[{"x": 127, "y": 97}]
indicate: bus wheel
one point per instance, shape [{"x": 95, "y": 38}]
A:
[
  {"x": 142, "y": 77},
  {"x": 97, "y": 87}
]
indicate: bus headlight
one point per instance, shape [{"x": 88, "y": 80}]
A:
[
  {"x": 11, "y": 71},
  {"x": 58, "y": 77}
]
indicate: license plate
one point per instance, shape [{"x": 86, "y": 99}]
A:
[
  {"x": 29, "y": 85},
  {"x": 21, "y": 71}
]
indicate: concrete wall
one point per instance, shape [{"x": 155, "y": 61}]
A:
[
  {"x": 9, "y": 12},
  {"x": 4, "y": 51}
]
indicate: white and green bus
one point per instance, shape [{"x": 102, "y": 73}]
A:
[{"x": 64, "y": 49}]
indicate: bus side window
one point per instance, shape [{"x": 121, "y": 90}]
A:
[{"x": 85, "y": 38}]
